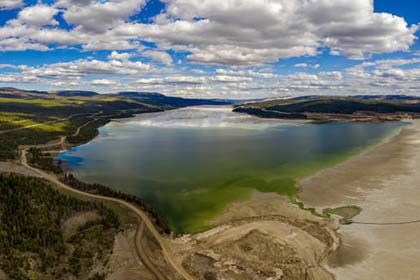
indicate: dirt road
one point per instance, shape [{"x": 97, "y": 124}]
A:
[{"x": 146, "y": 222}]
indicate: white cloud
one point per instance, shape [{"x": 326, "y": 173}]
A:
[
  {"x": 387, "y": 76},
  {"x": 241, "y": 37},
  {"x": 8, "y": 66},
  {"x": 216, "y": 31},
  {"x": 98, "y": 16},
  {"x": 306, "y": 65},
  {"x": 38, "y": 15},
  {"x": 275, "y": 29},
  {"x": 230, "y": 79},
  {"x": 246, "y": 73},
  {"x": 84, "y": 67},
  {"x": 158, "y": 56},
  {"x": 10, "y": 4},
  {"x": 119, "y": 56},
  {"x": 334, "y": 75},
  {"x": 104, "y": 82}
]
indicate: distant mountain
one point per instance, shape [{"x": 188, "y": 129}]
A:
[
  {"x": 10, "y": 92},
  {"x": 152, "y": 98},
  {"x": 356, "y": 97},
  {"x": 75, "y": 93},
  {"x": 362, "y": 107},
  {"x": 160, "y": 99}
]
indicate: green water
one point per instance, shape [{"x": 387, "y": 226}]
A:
[{"x": 190, "y": 163}]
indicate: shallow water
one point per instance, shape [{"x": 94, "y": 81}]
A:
[{"x": 190, "y": 163}]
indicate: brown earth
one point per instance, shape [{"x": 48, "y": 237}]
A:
[
  {"x": 72, "y": 224},
  {"x": 385, "y": 183},
  {"x": 265, "y": 237}
]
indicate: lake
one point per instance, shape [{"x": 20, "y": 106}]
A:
[{"x": 191, "y": 163}]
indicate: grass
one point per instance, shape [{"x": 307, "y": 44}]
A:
[
  {"x": 346, "y": 212},
  {"x": 45, "y": 103},
  {"x": 8, "y": 120},
  {"x": 60, "y": 126},
  {"x": 11, "y": 121}
]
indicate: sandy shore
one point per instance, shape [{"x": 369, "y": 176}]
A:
[{"x": 385, "y": 182}]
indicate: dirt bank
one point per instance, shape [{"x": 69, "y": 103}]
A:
[{"x": 265, "y": 237}]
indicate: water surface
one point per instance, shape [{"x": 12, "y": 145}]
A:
[{"x": 190, "y": 163}]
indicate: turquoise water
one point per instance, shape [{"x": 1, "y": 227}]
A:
[{"x": 190, "y": 163}]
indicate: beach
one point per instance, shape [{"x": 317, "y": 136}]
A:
[{"x": 382, "y": 243}]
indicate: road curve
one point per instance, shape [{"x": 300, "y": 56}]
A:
[
  {"x": 141, "y": 253},
  {"x": 163, "y": 242}
]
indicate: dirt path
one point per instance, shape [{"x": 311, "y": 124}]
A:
[
  {"x": 163, "y": 242},
  {"x": 142, "y": 255},
  {"x": 146, "y": 222}
]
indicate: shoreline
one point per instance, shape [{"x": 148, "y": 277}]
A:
[
  {"x": 382, "y": 181},
  {"x": 312, "y": 167},
  {"x": 269, "y": 222}
]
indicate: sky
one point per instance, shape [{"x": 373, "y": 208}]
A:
[{"x": 212, "y": 48}]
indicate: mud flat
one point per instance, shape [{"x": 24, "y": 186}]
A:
[
  {"x": 382, "y": 243},
  {"x": 265, "y": 237}
]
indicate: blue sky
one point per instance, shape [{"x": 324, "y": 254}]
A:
[{"x": 212, "y": 48}]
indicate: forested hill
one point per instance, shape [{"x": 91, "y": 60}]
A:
[
  {"x": 160, "y": 99},
  {"x": 365, "y": 107},
  {"x": 42, "y": 234},
  {"x": 30, "y": 117},
  {"x": 146, "y": 97}
]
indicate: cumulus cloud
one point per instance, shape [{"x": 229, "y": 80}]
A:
[
  {"x": 194, "y": 80},
  {"x": 99, "y": 16},
  {"x": 386, "y": 76},
  {"x": 10, "y": 4},
  {"x": 246, "y": 73},
  {"x": 38, "y": 15},
  {"x": 306, "y": 65},
  {"x": 231, "y": 79},
  {"x": 158, "y": 56},
  {"x": 119, "y": 56},
  {"x": 103, "y": 82},
  {"x": 242, "y": 38},
  {"x": 216, "y": 32},
  {"x": 84, "y": 67},
  {"x": 8, "y": 66}
]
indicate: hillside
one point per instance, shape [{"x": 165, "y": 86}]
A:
[
  {"x": 47, "y": 235},
  {"x": 29, "y": 118},
  {"x": 36, "y": 117},
  {"x": 147, "y": 97},
  {"x": 75, "y": 93},
  {"x": 160, "y": 99},
  {"x": 359, "y": 108}
]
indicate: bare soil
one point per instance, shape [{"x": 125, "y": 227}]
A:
[
  {"x": 262, "y": 238},
  {"x": 123, "y": 262},
  {"x": 385, "y": 183},
  {"x": 72, "y": 224}
]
